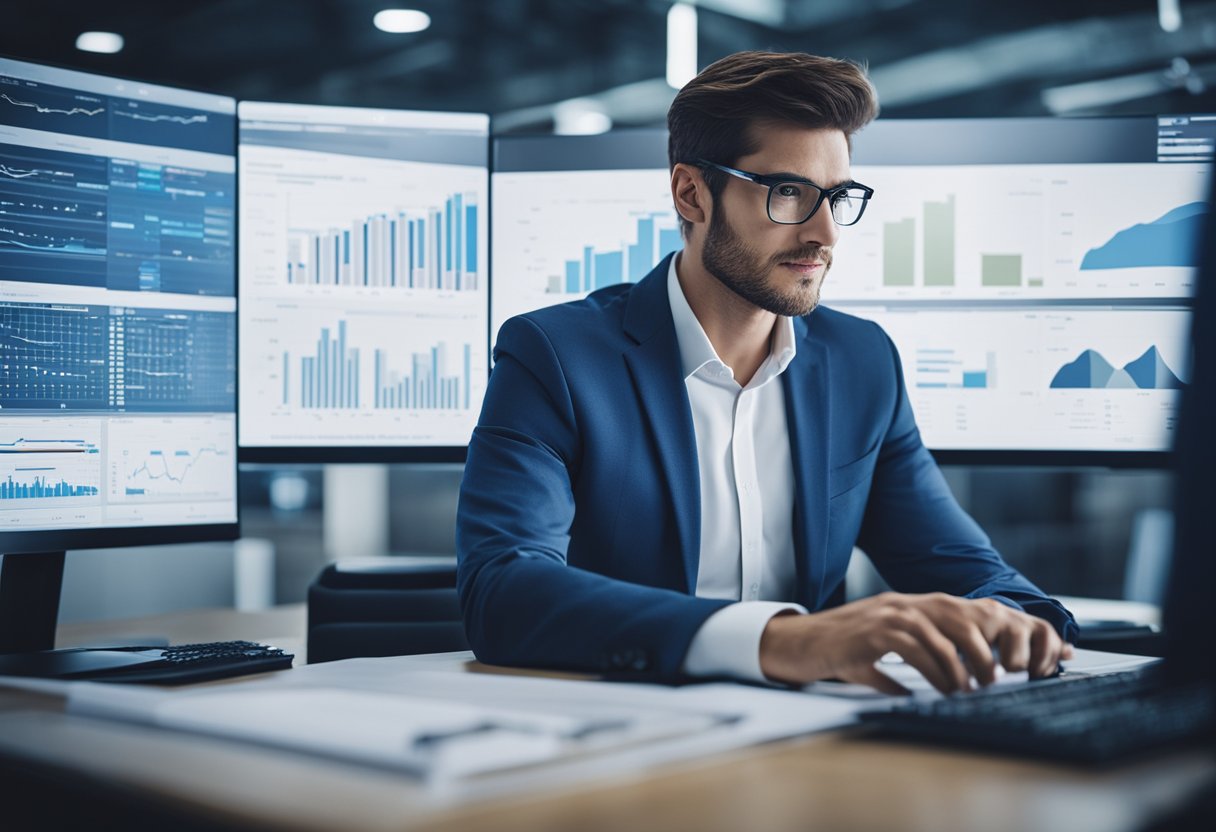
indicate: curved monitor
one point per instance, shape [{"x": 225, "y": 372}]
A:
[
  {"x": 364, "y": 293},
  {"x": 1035, "y": 274},
  {"x": 117, "y": 312}
]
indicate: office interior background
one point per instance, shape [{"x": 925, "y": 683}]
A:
[{"x": 586, "y": 66}]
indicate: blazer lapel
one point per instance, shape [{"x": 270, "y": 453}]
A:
[
  {"x": 654, "y": 364},
  {"x": 805, "y": 382}
]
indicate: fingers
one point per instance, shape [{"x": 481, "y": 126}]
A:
[
  {"x": 875, "y": 678},
  {"x": 930, "y": 665},
  {"x": 1046, "y": 649},
  {"x": 965, "y": 624},
  {"x": 1014, "y": 646},
  {"x": 940, "y": 648},
  {"x": 975, "y": 649}
]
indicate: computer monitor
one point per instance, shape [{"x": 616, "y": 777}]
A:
[
  {"x": 1035, "y": 274},
  {"x": 363, "y": 284},
  {"x": 117, "y": 326}
]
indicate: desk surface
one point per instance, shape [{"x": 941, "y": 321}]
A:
[{"x": 838, "y": 780}]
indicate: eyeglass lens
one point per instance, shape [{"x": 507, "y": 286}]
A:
[{"x": 792, "y": 202}]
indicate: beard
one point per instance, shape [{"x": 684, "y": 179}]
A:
[{"x": 746, "y": 272}]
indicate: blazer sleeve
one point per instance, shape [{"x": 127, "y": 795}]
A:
[
  {"x": 921, "y": 540},
  {"x": 522, "y": 603}
]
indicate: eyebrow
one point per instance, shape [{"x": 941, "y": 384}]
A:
[{"x": 800, "y": 177}]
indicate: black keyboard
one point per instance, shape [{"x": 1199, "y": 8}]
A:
[
  {"x": 1079, "y": 719},
  {"x": 184, "y": 664}
]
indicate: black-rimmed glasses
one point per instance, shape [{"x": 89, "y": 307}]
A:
[{"x": 793, "y": 201}]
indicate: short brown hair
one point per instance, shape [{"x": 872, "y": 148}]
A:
[{"x": 712, "y": 116}]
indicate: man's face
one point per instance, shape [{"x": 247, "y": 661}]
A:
[{"x": 778, "y": 268}]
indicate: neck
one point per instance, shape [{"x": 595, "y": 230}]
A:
[{"x": 741, "y": 333}]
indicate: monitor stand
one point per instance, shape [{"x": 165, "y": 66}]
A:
[{"x": 30, "y": 587}]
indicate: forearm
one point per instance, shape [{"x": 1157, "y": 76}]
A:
[{"x": 532, "y": 611}]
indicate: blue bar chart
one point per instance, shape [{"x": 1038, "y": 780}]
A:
[
  {"x": 50, "y": 458},
  {"x": 595, "y": 269},
  {"x": 941, "y": 368},
  {"x": 433, "y": 249},
  {"x": 328, "y": 379},
  {"x": 430, "y": 384},
  {"x": 36, "y": 483}
]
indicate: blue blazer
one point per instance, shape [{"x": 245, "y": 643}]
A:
[{"x": 578, "y": 529}]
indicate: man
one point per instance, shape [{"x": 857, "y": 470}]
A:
[{"x": 669, "y": 477}]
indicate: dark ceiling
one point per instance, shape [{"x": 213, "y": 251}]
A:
[{"x": 516, "y": 58}]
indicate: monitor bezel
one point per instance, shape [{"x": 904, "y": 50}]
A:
[
  {"x": 1129, "y": 460},
  {"x": 34, "y": 541}
]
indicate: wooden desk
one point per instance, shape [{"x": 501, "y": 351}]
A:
[{"x": 830, "y": 781}]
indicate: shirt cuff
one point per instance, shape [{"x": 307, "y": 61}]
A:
[{"x": 728, "y": 643}]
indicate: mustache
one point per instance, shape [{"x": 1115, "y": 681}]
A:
[{"x": 802, "y": 255}]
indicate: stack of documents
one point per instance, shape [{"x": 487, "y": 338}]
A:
[{"x": 425, "y": 736}]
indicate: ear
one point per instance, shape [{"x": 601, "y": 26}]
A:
[{"x": 690, "y": 193}]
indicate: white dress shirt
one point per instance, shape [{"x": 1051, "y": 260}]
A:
[{"x": 747, "y": 494}]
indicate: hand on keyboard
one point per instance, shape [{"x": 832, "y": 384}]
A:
[{"x": 948, "y": 639}]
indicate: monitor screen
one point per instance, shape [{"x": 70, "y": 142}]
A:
[
  {"x": 1035, "y": 274},
  {"x": 364, "y": 293},
  {"x": 117, "y": 311}
]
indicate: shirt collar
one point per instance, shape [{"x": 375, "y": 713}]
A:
[{"x": 695, "y": 348}]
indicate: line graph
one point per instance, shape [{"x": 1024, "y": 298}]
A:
[
  {"x": 183, "y": 120},
  {"x": 159, "y": 460},
  {"x": 24, "y": 445},
  {"x": 18, "y": 173},
  {"x": 172, "y": 458},
  {"x": 38, "y": 108}
]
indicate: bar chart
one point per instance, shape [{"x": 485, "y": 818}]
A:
[
  {"x": 933, "y": 235},
  {"x": 353, "y": 224},
  {"x": 941, "y": 368},
  {"x": 54, "y": 461},
  {"x": 1022, "y": 232},
  {"x": 329, "y": 378},
  {"x": 655, "y": 236},
  {"x": 364, "y": 373},
  {"x": 435, "y": 249},
  {"x": 561, "y": 235},
  {"x": 42, "y": 483},
  {"x": 429, "y": 385}
]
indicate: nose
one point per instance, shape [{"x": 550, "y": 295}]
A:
[{"x": 820, "y": 229}]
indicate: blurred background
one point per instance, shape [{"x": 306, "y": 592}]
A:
[{"x": 585, "y": 66}]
